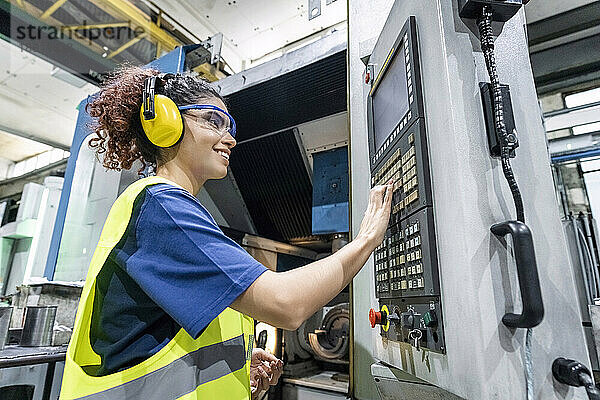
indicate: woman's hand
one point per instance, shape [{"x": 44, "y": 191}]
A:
[
  {"x": 297, "y": 294},
  {"x": 265, "y": 370},
  {"x": 377, "y": 216}
]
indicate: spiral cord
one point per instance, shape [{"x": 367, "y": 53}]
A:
[{"x": 507, "y": 143}]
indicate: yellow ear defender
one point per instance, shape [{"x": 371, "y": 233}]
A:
[{"x": 160, "y": 116}]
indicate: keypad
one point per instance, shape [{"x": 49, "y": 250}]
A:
[{"x": 399, "y": 259}]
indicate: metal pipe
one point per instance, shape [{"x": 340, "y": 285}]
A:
[
  {"x": 591, "y": 248},
  {"x": 570, "y": 109},
  {"x": 581, "y": 260},
  {"x": 575, "y": 156},
  {"x": 586, "y": 268}
]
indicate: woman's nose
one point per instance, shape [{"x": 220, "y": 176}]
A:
[{"x": 229, "y": 140}]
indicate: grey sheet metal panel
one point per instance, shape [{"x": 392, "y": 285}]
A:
[
  {"x": 230, "y": 205},
  {"x": 477, "y": 275},
  {"x": 393, "y": 384},
  {"x": 327, "y": 46}
]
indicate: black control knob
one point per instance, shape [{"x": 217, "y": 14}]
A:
[{"x": 409, "y": 319}]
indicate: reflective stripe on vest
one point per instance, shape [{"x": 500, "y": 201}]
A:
[
  {"x": 182, "y": 375},
  {"x": 216, "y": 365}
]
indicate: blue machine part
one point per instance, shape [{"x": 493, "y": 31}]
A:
[
  {"x": 575, "y": 156},
  {"x": 172, "y": 62},
  {"x": 330, "y": 192}
]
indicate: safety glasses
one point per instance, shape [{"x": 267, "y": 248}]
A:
[{"x": 214, "y": 117}]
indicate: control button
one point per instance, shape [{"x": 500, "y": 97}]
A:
[
  {"x": 419, "y": 268},
  {"x": 430, "y": 319},
  {"x": 375, "y": 317},
  {"x": 409, "y": 319},
  {"x": 380, "y": 318}
]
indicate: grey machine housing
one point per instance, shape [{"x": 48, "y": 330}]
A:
[{"x": 482, "y": 359}]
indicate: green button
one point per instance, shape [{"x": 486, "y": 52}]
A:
[{"x": 430, "y": 319}]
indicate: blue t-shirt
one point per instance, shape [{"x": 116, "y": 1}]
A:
[{"x": 173, "y": 268}]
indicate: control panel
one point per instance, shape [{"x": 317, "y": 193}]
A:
[{"x": 406, "y": 268}]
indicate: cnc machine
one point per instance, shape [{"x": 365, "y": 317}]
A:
[{"x": 470, "y": 295}]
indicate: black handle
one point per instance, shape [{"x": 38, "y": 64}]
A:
[
  {"x": 261, "y": 341},
  {"x": 529, "y": 282}
]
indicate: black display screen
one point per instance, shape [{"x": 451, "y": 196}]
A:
[{"x": 390, "y": 100}]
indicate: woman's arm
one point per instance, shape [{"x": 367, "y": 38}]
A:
[{"x": 286, "y": 299}]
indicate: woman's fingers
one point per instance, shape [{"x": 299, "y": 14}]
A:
[
  {"x": 277, "y": 368},
  {"x": 265, "y": 381},
  {"x": 375, "y": 199},
  {"x": 259, "y": 380},
  {"x": 381, "y": 193},
  {"x": 376, "y": 218},
  {"x": 264, "y": 355},
  {"x": 380, "y": 198},
  {"x": 266, "y": 366},
  {"x": 389, "y": 192}
]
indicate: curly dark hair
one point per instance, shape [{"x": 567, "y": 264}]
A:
[{"x": 120, "y": 139}]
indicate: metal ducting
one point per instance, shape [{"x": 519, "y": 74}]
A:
[
  {"x": 305, "y": 94},
  {"x": 273, "y": 180}
]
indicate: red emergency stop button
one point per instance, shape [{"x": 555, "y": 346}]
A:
[{"x": 375, "y": 317}]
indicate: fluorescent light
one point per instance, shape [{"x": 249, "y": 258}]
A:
[
  {"x": 64, "y": 76},
  {"x": 587, "y": 128},
  {"x": 583, "y": 98}
]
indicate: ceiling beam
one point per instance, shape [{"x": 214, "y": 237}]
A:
[
  {"x": 72, "y": 53},
  {"x": 563, "y": 24},
  {"x": 95, "y": 26},
  {"x": 38, "y": 139},
  {"x": 57, "y": 4},
  {"x": 127, "y": 45},
  {"x": 138, "y": 17}
]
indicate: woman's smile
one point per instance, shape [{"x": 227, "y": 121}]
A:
[{"x": 223, "y": 153}]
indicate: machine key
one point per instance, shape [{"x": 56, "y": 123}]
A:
[{"x": 415, "y": 336}]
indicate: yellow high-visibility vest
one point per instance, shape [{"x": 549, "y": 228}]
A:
[{"x": 216, "y": 365}]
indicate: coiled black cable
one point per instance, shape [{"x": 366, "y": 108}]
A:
[
  {"x": 591, "y": 389},
  {"x": 506, "y": 140}
]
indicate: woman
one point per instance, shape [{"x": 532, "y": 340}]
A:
[{"x": 166, "y": 311}]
